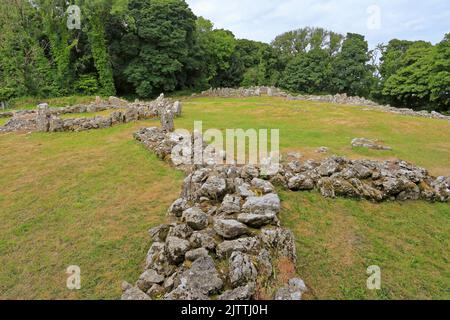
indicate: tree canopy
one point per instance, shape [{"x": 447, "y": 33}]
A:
[{"x": 144, "y": 47}]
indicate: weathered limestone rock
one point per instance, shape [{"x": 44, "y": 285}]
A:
[
  {"x": 167, "y": 120},
  {"x": 131, "y": 293},
  {"x": 230, "y": 229},
  {"x": 270, "y": 202},
  {"x": 181, "y": 230},
  {"x": 282, "y": 241},
  {"x": 176, "y": 249},
  {"x": 201, "y": 280},
  {"x": 148, "y": 279},
  {"x": 264, "y": 186},
  {"x": 244, "y": 245},
  {"x": 293, "y": 291},
  {"x": 367, "y": 143},
  {"x": 242, "y": 269},
  {"x": 230, "y": 205},
  {"x": 239, "y": 294},
  {"x": 196, "y": 254},
  {"x": 257, "y": 220},
  {"x": 301, "y": 182},
  {"x": 195, "y": 218},
  {"x": 203, "y": 239},
  {"x": 214, "y": 188},
  {"x": 178, "y": 207},
  {"x": 43, "y": 118}
]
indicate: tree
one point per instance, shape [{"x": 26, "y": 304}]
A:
[
  {"x": 439, "y": 83},
  {"x": 24, "y": 68},
  {"x": 423, "y": 77},
  {"x": 309, "y": 72},
  {"x": 160, "y": 40},
  {"x": 352, "y": 74},
  {"x": 217, "y": 47},
  {"x": 96, "y": 14}
]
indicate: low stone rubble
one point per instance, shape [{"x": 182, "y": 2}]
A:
[
  {"x": 369, "y": 144},
  {"x": 364, "y": 179},
  {"x": 225, "y": 224},
  {"x": 46, "y": 119},
  {"x": 343, "y": 99},
  {"x": 223, "y": 243}
]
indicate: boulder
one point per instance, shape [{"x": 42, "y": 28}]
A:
[
  {"x": 177, "y": 208},
  {"x": 203, "y": 239},
  {"x": 195, "y": 218},
  {"x": 231, "y": 204},
  {"x": 244, "y": 245},
  {"x": 131, "y": 293},
  {"x": 148, "y": 279},
  {"x": 239, "y": 294},
  {"x": 196, "y": 254},
  {"x": 262, "y": 185},
  {"x": 301, "y": 182},
  {"x": 280, "y": 241},
  {"x": 176, "y": 249},
  {"x": 241, "y": 269},
  {"x": 367, "y": 143},
  {"x": 214, "y": 188},
  {"x": 270, "y": 202},
  {"x": 257, "y": 220},
  {"x": 200, "y": 281},
  {"x": 230, "y": 229}
]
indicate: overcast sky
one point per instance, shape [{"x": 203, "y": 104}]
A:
[{"x": 379, "y": 21}]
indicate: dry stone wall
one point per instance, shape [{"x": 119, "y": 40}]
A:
[
  {"x": 225, "y": 239},
  {"x": 337, "y": 99},
  {"x": 46, "y": 119}
]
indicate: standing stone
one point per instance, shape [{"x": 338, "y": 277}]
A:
[
  {"x": 167, "y": 121},
  {"x": 177, "y": 108},
  {"x": 43, "y": 118}
]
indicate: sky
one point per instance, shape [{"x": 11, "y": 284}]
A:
[{"x": 380, "y": 21}]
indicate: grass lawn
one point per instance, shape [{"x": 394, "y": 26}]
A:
[
  {"x": 89, "y": 198},
  {"x": 3, "y": 121}
]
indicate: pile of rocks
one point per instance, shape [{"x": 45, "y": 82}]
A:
[
  {"x": 20, "y": 121},
  {"x": 369, "y": 144},
  {"x": 242, "y": 92},
  {"x": 225, "y": 240},
  {"x": 364, "y": 179},
  {"x": 337, "y": 99},
  {"x": 46, "y": 119}
]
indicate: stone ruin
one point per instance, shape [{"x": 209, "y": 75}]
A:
[
  {"x": 225, "y": 240},
  {"x": 46, "y": 119},
  {"x": 242, "y": 92},
  {"x": 343, "y": 99}
]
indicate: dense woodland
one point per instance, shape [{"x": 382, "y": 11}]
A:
[{"x": 139, "y": 48}]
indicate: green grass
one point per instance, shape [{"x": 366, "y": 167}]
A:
[
  {"x": 28, "y": 103},
  {"x": 3, "y": 121},
  {"x": 89, "y": 198},
  {"x": 83, "y": 199}
]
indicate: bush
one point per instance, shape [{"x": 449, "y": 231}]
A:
[{"x": 87, "y": 84}]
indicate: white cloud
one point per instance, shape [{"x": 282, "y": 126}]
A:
[{"x": 263, "y": 20}]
